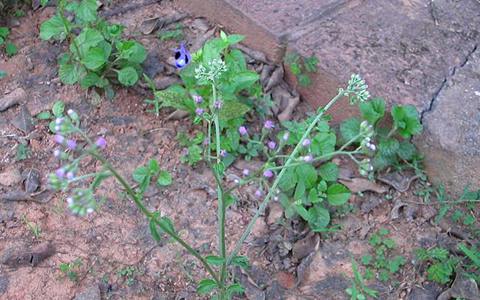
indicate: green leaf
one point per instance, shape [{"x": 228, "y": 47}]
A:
[
  {"x": 164, "y": 178},
  {"x": 87, "y": 39},
  {"x": 232, "y": 110},
  {"x": 234, "y": 289},
  {"x": 167, "y": 223},
  {"x": 406, "y": 150},
  {"x": 329, "y": 171},
  {"x": 373, "y": 110},
  {"x": 206, "y": 286},
  {"x": 154, "y": 231},
  {"x": 366, "y": 260},
  {"x": 288, "y": 180},
  {"x": 323, "y": 143},
  {"x": 127, "y": 76},
  {"x": 58, "y": 108},
  {"x": 4, "y": 32},
  {"x": 337, "y": 194},
  {"x": 3, "y": 74},
  {"x": 140, "y": 174},
  {"x": 395, "y": 264},
  {"x": 243, "y": 80},
  {"x": 215, "y": 260},
  {"x": 349, "y": 129},
  {"x": 406, "y": 120},
  {"x": 95, "y": 58},
  {"x": 92, "y": 79},
  {"x": 241, "y": 261},
  {"x": 68, "y": 73},
  {"x": 320, "y": 218},
  {"x": 153, "y": 166},
  {"x": 132, "y": 51},
  {"x": 440, "y": 272},
  {"x": 299, "y": 191},
  {"x": 235, "y": 39},
  {"x": 304, "y": 80},
  {"x": 10, "y": 49},
  {"x": 307, "y": 174},
  {"x": 53, "y": 28},
  {"x": 388, "y": 147},
  {"x": 99, "y": 178},
  {"x": 296, "y": 69},
  {"x": 311, "y": 64},
  {"x": 44, "y": 115},
  {"x": 87, "y": 10}
]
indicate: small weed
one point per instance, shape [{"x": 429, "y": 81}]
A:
[
  {"x": 359, "y": 290},
  {"x": 22, "y": 152},
  {"x": 441, "y": 264},
  {"x": 128, "y": 273},
  {"x": 33, "y": 227},
  {"x": 382, "y": 262},
  {"x": 192, "y": 153},
  {"x": 9, "y": 47},
  {"x": 58, "y": 111},
  {"x": 301, "y": 66},
  {"x": 175, "y": 34},
  {"x": 71, "y": 269}
]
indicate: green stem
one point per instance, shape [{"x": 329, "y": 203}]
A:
[
  {"x": 272, "y": 190},
  {"x": 349, "y": 153}
]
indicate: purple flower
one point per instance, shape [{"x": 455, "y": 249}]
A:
[
  {"x": 197, "y": 99},
  {"x": 199, "y": 111},
  {"x": 60, "y": 172},
  {"x": 242, "y": 130},
  {"x": 71, "y": 144},
  {"x": 185, "y": 151},
  {"x": 58, "y": 121},
  {"x": 218, "y": 104},
  {"x": 57, "y": 153},
  {"x": 205, "y": 141},
  {"x": 306, "y": 142},
  {"x": 269, "y": 124},
  {"x": 286, "y": 135},
  {"x": 268, "y": 173},
  {"x": 223, "y": 153},
  {"x": 59, "y": 139},
  {"x": 57, "y": 128},
  {"x": 258, "y": 193},
  {"x": 70, "y": 175},
  {"x": 70, "y": 201},
  {"x": 101, "y": 143},
  {"x": 271, "y": 145},
  {"x": 182, "y": 57},
  {"x": 308, "y": 158},
  {"x": 246, "y": 172}
]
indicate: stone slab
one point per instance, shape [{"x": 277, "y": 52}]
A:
[{"x": 451, "y": 137}]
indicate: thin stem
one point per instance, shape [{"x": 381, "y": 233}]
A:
[
  {"x": 349, "y": 153},
  {"x": 350, "y": 142},
  {"x": 290, "y": 160}
]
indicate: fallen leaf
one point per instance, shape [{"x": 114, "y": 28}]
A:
[{"x": 357, "y": 185}]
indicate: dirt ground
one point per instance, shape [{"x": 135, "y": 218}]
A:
[{"x": 119, "y": 259}]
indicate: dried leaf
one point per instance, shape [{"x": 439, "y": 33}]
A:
[{"x": 357, "y": 185}]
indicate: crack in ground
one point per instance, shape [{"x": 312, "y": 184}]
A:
[{"x": 445, "y": 80}]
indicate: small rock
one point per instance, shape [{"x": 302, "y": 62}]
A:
[
  {"x": 11, "y": 176},
  {"x": 31, "y": 179},
  {"x": 462, "y": 288},
  {"x": 90, "y": 293},
  {"x": 13, "y": 98},
  {"x": 424, "y": 293},
  {"x": 23, "y": 120},
  {"x": 275, "y": 212}
]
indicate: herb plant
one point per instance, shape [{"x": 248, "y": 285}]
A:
[
  {"x": 383, "y": 262},
  {"x": 97, "y": 55},
  {"x": 9, "y": 47},
  {"x": 441, "y": 265},
  {"x": 359, "y": 290},
  {"x": 71, "y": 269},
  {"x": 301, "y": 67}
]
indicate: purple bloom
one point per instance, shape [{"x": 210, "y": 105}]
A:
[
  {"x": 59, "y": 139},
  {"x": 218, "y": 104},
  {"x": 306, "y": 142},
  {"x": 242, "y": 130},
  {"x": 308, "y": 158},
  {"x": 70, "y": 175},
  {"x": 223, "y": 153},
  {"x": 199, "y": 111},
  {"x": 269, "y": 124},
  {"x": 197, "y": 99},
  {"x": 58, "y": 121},
  {"x": 101, "y": 143},
  {"x": 182, "y": 57},
  {"x": 286, "y": 135},
  {"x": 205, "y": 141},
  {"x": 258, "y": 193},
  {"x": 57, "y": 153},
  {"x": 246, "y": 172},
  {"x": 271, "y": 145},
  {"x": 71, "y": 144},
  {"x": 268, "y": 174},
  {"x": 57, "y": 128},
  {"x": 70, "y": 201},
  {"x": 60, "y": 172}
]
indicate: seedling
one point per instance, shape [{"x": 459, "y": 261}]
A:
[
  {"x": 359, "y": 290},
  {"x": 128, "y": 273},
  {"x": 301, "y": 67},
  {"x": 33, "y": 227},
  {"x": 71, "y": 269},
  {"x": 9, "y": 47}
]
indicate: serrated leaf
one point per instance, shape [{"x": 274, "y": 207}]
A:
[
  {"x": 372, "y": 110},
  {"x": 288, "y": 180},
  {"x": 388, "y": 147},
  {"x": 86, "y": 11},
  {"x": 243, "y": 80},
  {"x": 235, "y": 39},
  {"x": 232, "y": 110},
  {"x": 406, "y": 120},
  {"x": 328, "y": 171},
  {"x": 304, "y": 79},
  {"x": 241, "y": 261},
  {"x": 320, "y": 218},
  {"x": 164, "y": 178},
  {"x": 92, "y": 79},
  {"x": 299, "y": 191},
  {"x": 349, "y": 129},
  {"x": 206, "y": 286},
  {"x": 215, "y": 260},
  {"x": 406, "y": 150},
  {"x": 4, "y": 32},
  {"x": 95, "y": 58},
  {"x": 132, "y": 51},
  {"x": 234, "y": 289},
  {"x": 87, "y": 39},
  {"x": 338, "y": 194},
  {"x": 58, "y": 108},
  {"x": 68, "y": 73},
  {"x": 127, "y": 76},
  {"x": 53, "y": 27},
  {"x": 311, "y": 64},
  {"x": 307, "y": 174}
]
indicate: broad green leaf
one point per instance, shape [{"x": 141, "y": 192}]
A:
[
  {"x": 92, "y": 79},
  {"x": 234, "y": 289},
  {"x": 406, "y": 150},
  {"x": 349, "y": 129},
  {"x": 213, "y": 49},
  {"x": 44, "y": 115},
  {"x": 153, "y": 230},
  {"x": 132, "y": 51},
  {"x": 304, "y": 79},
  {"x": 243, "y": 80},
  {"x": 406, "y": 120},
  {"x": 232, "y": 110},
  {"x": 68, "y": 73},
  {"x": 235, "y": 39},
  {"x": 241, "y": 261},
  {"x": 299, "y": 190},
  {"x": 206, "y": 286},
  {"x": 337, "y": 194},
  {"x": 140, "y": 174},
  {"x": 85, "y": 40},
  {"x": 4, "y": 32},
  {"x": 305, "y": 214},
  {"x": 311, "y": 64},
  {"x": 175, "y": 96},
  {"x": 87, "y": 10},
  {"x": 10, "y": 49},
  {"x": 307, "y": 174},
  {"x": 153, "y": 166},
  {"x": 288, "y": 180},
  {"x": 388, "y": 147},
  {"x": 58, "y": 108},
  {"x": 235, "y": 61},
  {"x": 95, "y": 58},
  {"x": 328, "y": 171},
  {"x": 53, "y": 28},
  {"x": 215, "y": 260},
  {"x": 323, "y": 143},
  {"x": 164, "y": 178},
  {"x": 320, "y": 218},
  {"x": 127, "y": 76},
  {"x": 373, "y": 110}
]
